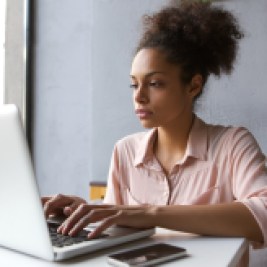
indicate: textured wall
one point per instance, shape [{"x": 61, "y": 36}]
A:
[
  {"x": 83, "y": 100},
  {"x": 241, "y": 99}
]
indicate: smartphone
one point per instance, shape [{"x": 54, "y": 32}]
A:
[{"x": 147, "y": 255}]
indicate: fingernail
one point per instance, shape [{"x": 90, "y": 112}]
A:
[
  {"x": 71, "y": 233},
  {"x": 91, "y": 235},
  {"x": 65, "y": 230},
  {"x": 67, "y": 211}
]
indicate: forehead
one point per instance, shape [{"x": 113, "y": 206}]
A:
[{"x": 151, "y": 60}]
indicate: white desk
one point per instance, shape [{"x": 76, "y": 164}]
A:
[{"x": 203, "y": 252}]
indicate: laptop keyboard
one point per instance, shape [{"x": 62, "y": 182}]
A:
[{"x": 59, "y": 240}]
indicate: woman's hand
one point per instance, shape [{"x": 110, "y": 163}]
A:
[
  {"x": 137, "y": 217},
  {"x": 59, "y": 205}
]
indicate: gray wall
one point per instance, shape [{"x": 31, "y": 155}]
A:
[
  {"x": 241, "y": 99},
  {"x": 83, "y": 100}
]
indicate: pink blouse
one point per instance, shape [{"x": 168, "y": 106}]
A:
[{"x": 220, "y": 165}]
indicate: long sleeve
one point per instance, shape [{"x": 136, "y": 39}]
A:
[
  {"x": 113, "y": 195},
  {"x": 250, "y": 177}
]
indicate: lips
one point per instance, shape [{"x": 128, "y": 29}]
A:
[{"x": 143, "y": 113}]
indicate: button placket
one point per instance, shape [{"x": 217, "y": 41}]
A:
[
  {"x": 172, "y": 180},
  {"x": 165, "y": 189}
]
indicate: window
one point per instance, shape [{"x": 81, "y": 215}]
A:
[{"x": 2, "y": 50}]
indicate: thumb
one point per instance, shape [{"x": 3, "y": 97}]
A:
[
  {"x": 67, "y": 211},
  {"x": 70, "y": 209}
]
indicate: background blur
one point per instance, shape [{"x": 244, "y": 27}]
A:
[{"x": 82, "y": 100}]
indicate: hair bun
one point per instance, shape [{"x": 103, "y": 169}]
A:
[{"x": 200, "y": 37}]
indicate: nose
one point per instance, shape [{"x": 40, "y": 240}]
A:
[{"x": 141, "y": 95}]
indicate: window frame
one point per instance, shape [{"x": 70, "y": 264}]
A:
[{"x": 18, "y": 69}]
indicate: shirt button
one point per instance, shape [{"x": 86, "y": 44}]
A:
[{"x": 166, "y": 194}]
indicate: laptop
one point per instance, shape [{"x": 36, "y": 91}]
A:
[{"x": 20, "y": 203}]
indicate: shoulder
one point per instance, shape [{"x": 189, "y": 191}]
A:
[
  {"x": 132, "y": 142},
  {"x": 230, "y": 133},
  {"x": 231, "y": 138},
  {"x": 241, "y": 141}
]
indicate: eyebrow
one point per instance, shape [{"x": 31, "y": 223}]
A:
[{"x": 151, "y": 74}]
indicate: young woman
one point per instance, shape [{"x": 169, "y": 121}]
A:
[{"x": 183, "y": 174}]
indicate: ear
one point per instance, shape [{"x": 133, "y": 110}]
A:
[{"x": 196, "y": 85}]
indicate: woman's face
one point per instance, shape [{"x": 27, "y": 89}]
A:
[{"x": 160, "y": 98}]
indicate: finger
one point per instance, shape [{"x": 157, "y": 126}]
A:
[
  {"x": 91, "y": 217},
  {"x": 79, "y": 225},
  {"x": 81, "y": 210},
  {"x": 70, "y": 209},
  {"x": 79, "y": 213},
  {"x": 111, "y": 220},
  {"x": 45, "y": 199},
  {"x": 56, "y": 204}
]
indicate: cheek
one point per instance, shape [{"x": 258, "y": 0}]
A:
[
  {"x": 173, "y": 107},
  {"x": 171, "y": 102}
]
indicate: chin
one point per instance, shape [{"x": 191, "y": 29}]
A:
[{"x": 148, "y": 125}]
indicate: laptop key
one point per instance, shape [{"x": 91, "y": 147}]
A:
[{"x": 59, "y": 240}]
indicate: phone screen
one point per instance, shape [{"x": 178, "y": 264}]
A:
[{"x": 153, "y": 253}]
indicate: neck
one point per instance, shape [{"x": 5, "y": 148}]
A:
[{"x": 172, "y": 139}]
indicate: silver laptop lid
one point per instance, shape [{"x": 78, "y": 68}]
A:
[{"x": 22, "y": 224}]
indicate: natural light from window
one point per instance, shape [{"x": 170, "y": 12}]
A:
[{"x": 2, "y": 45}]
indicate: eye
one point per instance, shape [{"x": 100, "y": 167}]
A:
[
  {"x": 133, "y": 85},
  {"x": 156, "y": 84}
]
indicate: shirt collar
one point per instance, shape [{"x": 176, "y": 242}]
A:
[
  {"x": 196, "y": 146},
  {"x": 144, "y": 151}
]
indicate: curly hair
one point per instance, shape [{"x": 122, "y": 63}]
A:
[{"x": 200, "y": 38}]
